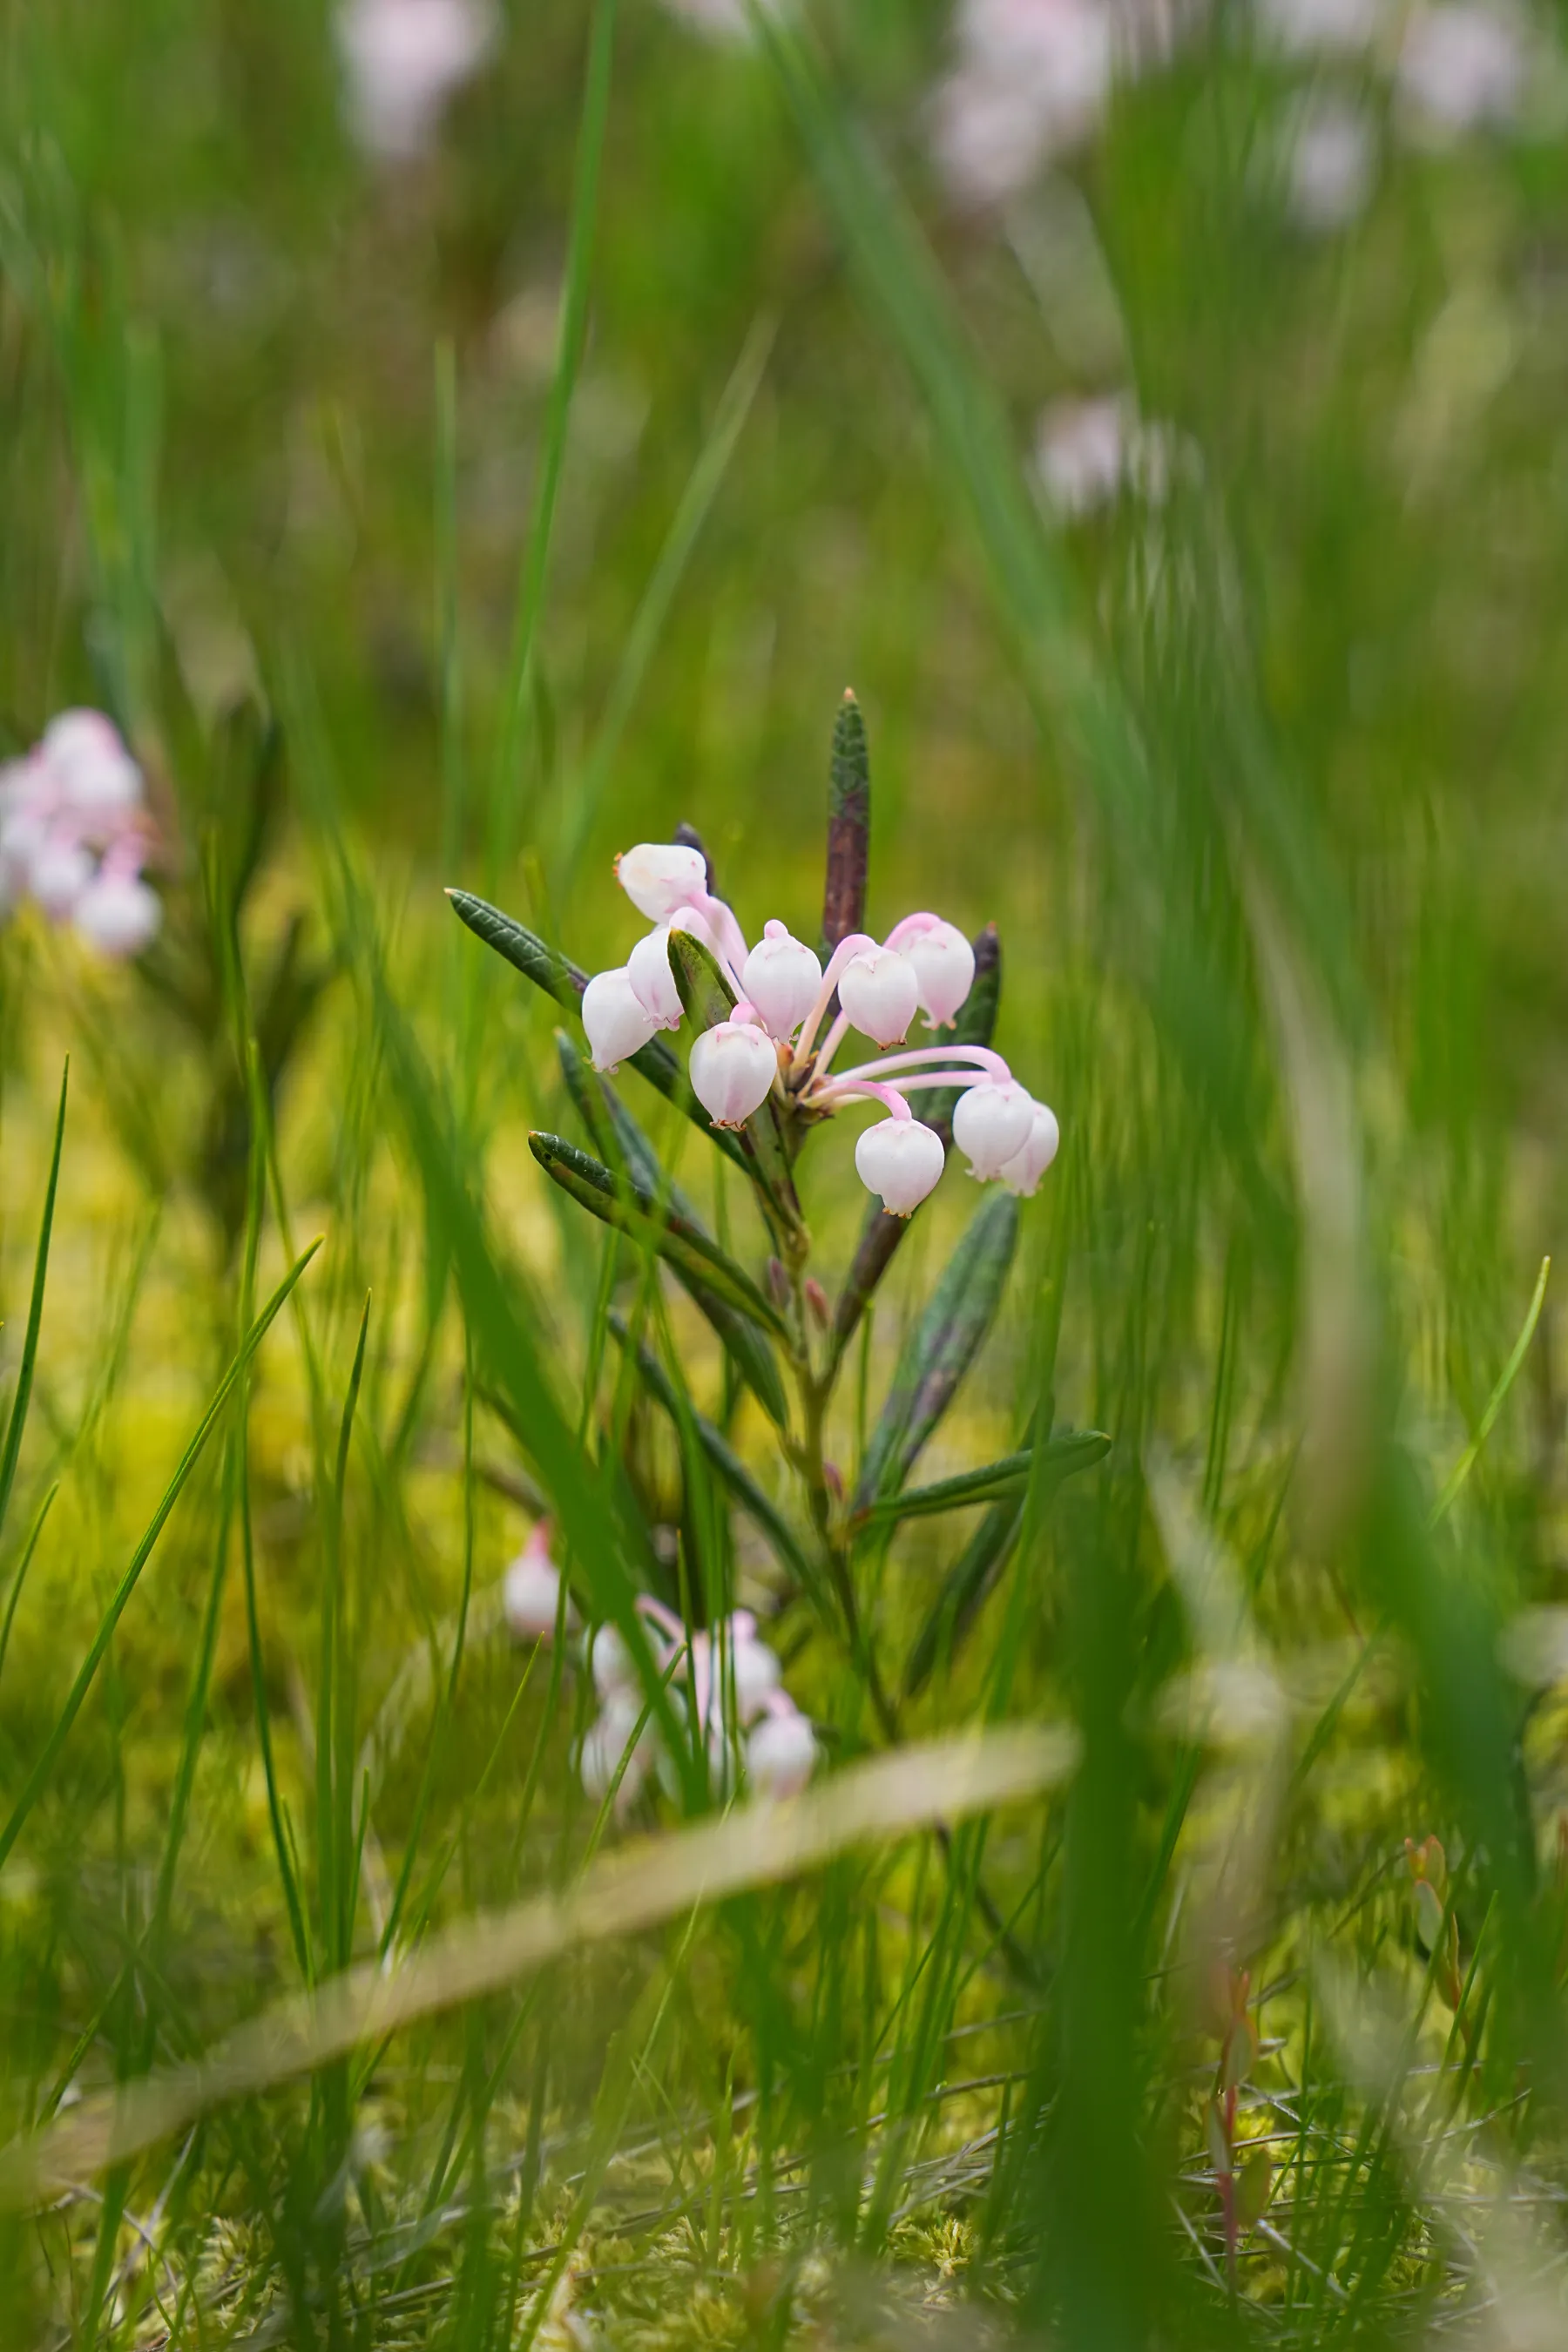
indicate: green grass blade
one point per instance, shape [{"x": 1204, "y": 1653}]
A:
[
  {"x": 18, "y": 1421},
  {"x": 1059, "y": 1458},
  {"x": 38, "y": 1778}
]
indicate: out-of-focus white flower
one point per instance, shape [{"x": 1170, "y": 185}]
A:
[
  {"x": 1338, "y": 28},
  {"x": 1032, "y": 80},
  {"x": 943, "y": 962},
  {"x": 720, "y": 20},
  {"x": 118, "y": 914},
  {"x": 991, "y": 1122},
  {"x": 1023, "y": 1172},
  {"x": 733, "y": 1066},
  {"x": 659, "y": 876},
  {"x": 901, "y": 1160},
  {"x": 607, "y": 1740},
  {"x": 1461, "y": 67},
  {"x": 617, "y": 1025},
  {"x": 781, "y": 1754},
  {"x": 610, "y": 1662},
  {"x": 782, "y": 977},
  {"x": 652, "y": 980},
  {"x": 1081, "y": 451},
  {"x": 403, "y": 59},
  {"x": 96, "y": 774},
  {"x": 881, "y": 992},
  {"x": 1330, "y": 163},
  {"x": 531, "y": 1590}
]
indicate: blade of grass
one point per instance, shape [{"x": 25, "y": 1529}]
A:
[{"x": 18, "y": 1421}]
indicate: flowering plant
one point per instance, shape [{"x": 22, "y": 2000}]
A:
[{"x": 768, "y": 1022}]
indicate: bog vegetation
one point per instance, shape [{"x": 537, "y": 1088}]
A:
[{"x": 630, "y": 1710}]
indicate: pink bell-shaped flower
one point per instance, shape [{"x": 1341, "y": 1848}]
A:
[
  {"x": 658, "y": 876},
  {"x": 901, "y": 1160},
  {"x": 610, "y": 1662},
  {"x": 118, "y": 914},
  {"x": 880, "y": 992},
  {"x": 1023, "y": 1172},
  {"x": 531, "y": 1590},
  {"x": 991, "y": 1122},
  {"x": 782, "y": 978},
  {"x": 616, "y": 1023},
  {"x": 653, "y": 983},
  {"x": 60, "y": 872},
  {"x": 944, "y": 967},
  {"x": 781, "y": 1754},
  {"x": 733, "y": 1066}
]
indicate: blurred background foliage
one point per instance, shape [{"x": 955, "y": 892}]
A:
[{"x": 1261, "y": 770}]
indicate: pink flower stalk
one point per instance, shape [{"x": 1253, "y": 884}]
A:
[{"x": 733, "y": 1066}]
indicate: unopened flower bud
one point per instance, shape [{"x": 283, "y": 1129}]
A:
[
  {"x": 778, "y": 1282},
  {"x": 618, "y": 1026},
  {"x": 781, "y": 1754},
  {"x": 118, "y": 914},
  {"x": 733, "y": 1066},
  {"x": 944, "y": 967},
  {"x": 782, "y": 978},
  {"x": 658, "y": 876},
  {"x": 1023, "y": 1172},
  {"x": 878, "y": 991},
  {"x": 833, "y": 1479},
  {"x": 653, "y": 983},
  {"x": 901, "y": 1160},
  {"x": 991, "y": 1122},
  {"x": 90, "y": 763},
  {"x": 816, "y": 1301}
]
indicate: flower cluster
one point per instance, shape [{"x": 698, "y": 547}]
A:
[
  {"x": 728, "y": 1680},
  {"x": 769, "y": 1044},
  {"x": 75, "y": 835}
]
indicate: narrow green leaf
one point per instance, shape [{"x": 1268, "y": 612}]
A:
[
  {"x": 964, "y": 1588},
  {"x": 771, "y": 1523},
  {"x": 564, "y": 980},
  {"x": 709, "y": 999},
  {"x": 943, "y": 1347},
  {"x": 639, "y": 1211},
  {"x": 23, "y": 1397},
  {"x": 622, "y": 1144},
  {"x": 38, "y": 1780},
  {"x": 14, "y": 1597},
  {"x": 1059, "y": 1458},
  {"x": 848, "y": 827},
  {"x": 882, "y": 1236}
]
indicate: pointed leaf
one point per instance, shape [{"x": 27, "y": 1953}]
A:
[
  {"x": 641, "y": 1212},
  {"x": 709, "y": 999},
  {"x": 621, "y": 1143},
  {"x": 564, "y": 980},
  {"x": 1074, "y": 1450},
  {"x": 966, "y": 1586},
  {"x": 943, "y": 1347},
  {"x": 882, "y": 1236}
]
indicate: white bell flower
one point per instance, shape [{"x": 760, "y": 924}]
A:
[
  {"x": 901, "y": 1160},
  {"x": 880, "y": 992},
  {"x": 991, "y": 1122},
  {"x": 85, "y": 754},
  {"x": 658, "y": 876},
  {"x": 1023, "y": 1172},
  {"x": 403, "y": 59},
  {"x": 60, "y": 872},
  {"x": 531, "y": 1590},
  {"x": 653, "y": 983},
  {"x": 616, "y": 1023},
  {"x": 944, "y": 969},
  {"x": 118, "y": 914},
  {"x": 606, "y": 1741},
  {"x": 611, "y": 1663},
  {"x": 781, "y": 978},
  {"x": 733, "y": 1066},
  {"x": 781, "y": 1754}
]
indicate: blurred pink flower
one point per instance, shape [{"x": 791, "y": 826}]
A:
[
  {"x": 403, "y": 60},
  {"x": 1462, "y": 66}
]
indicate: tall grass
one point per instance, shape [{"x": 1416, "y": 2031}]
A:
[{"x": 1170, "y": 1948}]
